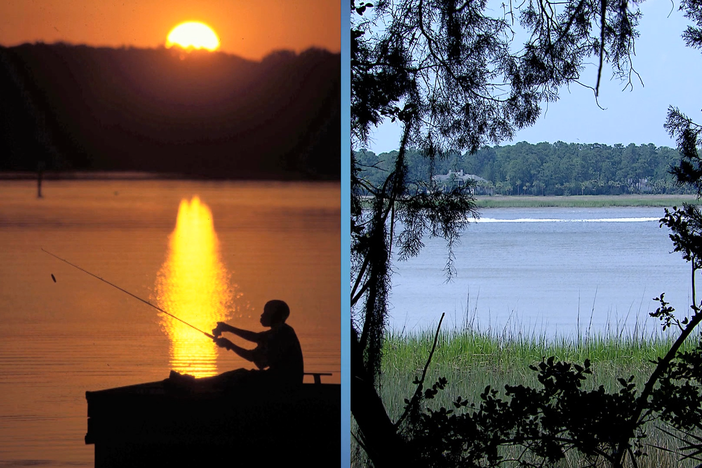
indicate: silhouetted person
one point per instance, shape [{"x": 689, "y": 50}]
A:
[{"x": 278, "y": 355}]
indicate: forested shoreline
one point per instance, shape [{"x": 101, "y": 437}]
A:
[
  {"x": 541, "y": 169},
  {"x": 75, "y": 108}
]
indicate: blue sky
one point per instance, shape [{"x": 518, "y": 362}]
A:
[{"x": 670, "y": 72}]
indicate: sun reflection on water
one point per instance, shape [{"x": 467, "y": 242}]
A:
[{"x": 194, "y": 286}]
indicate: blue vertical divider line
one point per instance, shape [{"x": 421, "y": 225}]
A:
[{"x": 345, "y": 232}]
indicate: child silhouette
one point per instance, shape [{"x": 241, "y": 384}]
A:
[{"x": 277, "y": 355}]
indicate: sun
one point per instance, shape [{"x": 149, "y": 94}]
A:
[{"x": 193, "y": 35}]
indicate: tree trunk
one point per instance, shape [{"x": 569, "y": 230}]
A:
[{"x": 384, "y": 446}]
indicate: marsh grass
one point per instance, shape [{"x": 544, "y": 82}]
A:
[
  {"x": 463, "y": 348},
  {"x": 584, "y": 201},
  {"x": 472, "y": 359}
]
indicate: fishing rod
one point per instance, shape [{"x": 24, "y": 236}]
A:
[{"x": 127, "y": 292}]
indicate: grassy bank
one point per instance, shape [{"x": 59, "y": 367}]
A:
[
  {"x": 473, "y": 360},
  {"x": 585, "y": 201}
]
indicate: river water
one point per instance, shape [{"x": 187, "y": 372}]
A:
[
  {"x": 63, "y": 333},
  {"x": 546, "y": 272}
]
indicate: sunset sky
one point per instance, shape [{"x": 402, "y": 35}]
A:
[{"x": 250, "y": 29}]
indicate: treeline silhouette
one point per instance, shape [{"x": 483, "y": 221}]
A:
[
  {"x": 66, "y": 107},
  {"x": 544, "y": 168}
]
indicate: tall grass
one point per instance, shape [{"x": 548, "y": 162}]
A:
[
  {"x": 472, "y": 359},
  {"x": 464, "y": 348}
]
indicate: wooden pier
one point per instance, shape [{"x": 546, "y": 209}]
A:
[{"x": 147, "y": 425}]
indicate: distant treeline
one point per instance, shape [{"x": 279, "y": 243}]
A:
[
  {"x": 542, "y": 169},
  {"x": 65, "y": 107}
]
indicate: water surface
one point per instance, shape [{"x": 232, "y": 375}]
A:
[
  {"x": 546, "y": 271},
  {"x": 60, "y": 339}
]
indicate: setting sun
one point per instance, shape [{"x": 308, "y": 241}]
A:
[{"x": 193, "y": 35}]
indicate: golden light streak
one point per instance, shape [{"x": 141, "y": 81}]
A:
[
  {"x": 193, "y": 35},
  {"x": 194, "y": 286}
]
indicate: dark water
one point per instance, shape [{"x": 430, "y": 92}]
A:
[
  {"x": 59, "y": 339},
  {"x": 551, "y": 271}
]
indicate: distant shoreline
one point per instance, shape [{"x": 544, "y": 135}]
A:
[
  {"x": 577, "y": 201},
  {"x": 585, "y": 201},
  {"x": 88, "y": 175},
  {"x": 136, "y": 175}
]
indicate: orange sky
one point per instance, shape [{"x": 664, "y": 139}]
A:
[{"x": 247, "y": 28}]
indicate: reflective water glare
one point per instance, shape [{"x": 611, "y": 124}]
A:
[{"x": 193, "y": 285}]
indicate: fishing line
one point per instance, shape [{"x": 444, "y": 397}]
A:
[{"x": 127, "y": 292}]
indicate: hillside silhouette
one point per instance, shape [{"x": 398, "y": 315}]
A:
[{"x": 66, "y": 107}]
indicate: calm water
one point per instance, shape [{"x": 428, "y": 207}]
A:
[
  {"x": 249, "y": 242},
  {"x": 552, "y": 271}
]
